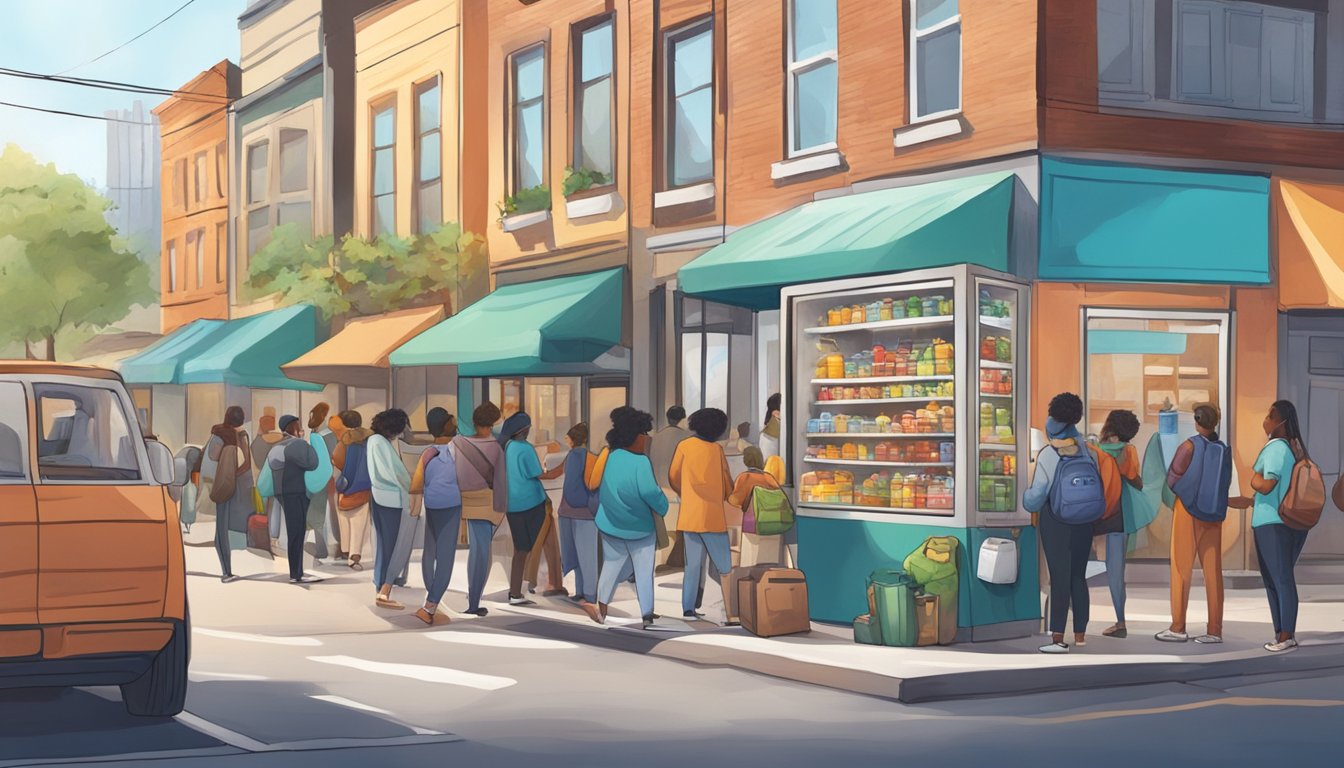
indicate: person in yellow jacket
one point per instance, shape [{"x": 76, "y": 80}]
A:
[{"x": 700, "y": 476}]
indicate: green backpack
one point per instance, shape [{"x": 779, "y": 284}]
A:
[{"x": 772, "y": 510}]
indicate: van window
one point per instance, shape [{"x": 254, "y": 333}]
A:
[
  {"x": 13, "y": 432},
  {"x": 83, "y": 434}
]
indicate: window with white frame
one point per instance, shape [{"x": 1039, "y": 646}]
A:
[
  {"x": 593, "y": 98},
  {"x": 527, "y": 118},
  {"x": 813, "y": 75},
  {"x": 294, "y": 204},
  {"x": 690, "y": 109},
  {"x": 383, "y": 190},
  {"x": 428, "y": 157},
  {"x": 1234, "y": 59},
  {"x": 257, "y": 196},
  {"x": 935, "y": 59}
]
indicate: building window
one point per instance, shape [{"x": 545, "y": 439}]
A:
[
  {"x": 1228, "y": 59},
  {"x": 528, "y": 116},
  {"x": 428, "y": 156},
  {"x": 221, "y": 250},
  {"x": 690, "y": 113},
  {"x": 172, "y": 266},
  {"x": 294, "y": 206},
  {"x": 179, "y": 184},
  {"x": 715, "y": 339},
  {"x": 935, "y": 59},
  {"x": 384, "y": 199},
  {"x": 258, "y": 211},
  {"x": 221, "y": 170},
  {"x": 593, "y": 98},
  {"x": 200, "y": 257},
  {"x": 814, "y": 75},
  {"x": 201, "y": 189}
]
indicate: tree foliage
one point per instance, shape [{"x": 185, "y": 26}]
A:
[
  {"x": 356, "y": 277},
  {"x": 62, "y": 266}
]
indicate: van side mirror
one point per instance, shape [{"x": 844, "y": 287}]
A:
[{"x": 160, "y": 462}]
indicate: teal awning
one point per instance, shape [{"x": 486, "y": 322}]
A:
[
  {"x": 543, "y": 327},
  {"x": 958, "y": 221},
  {"x": 161, "y": 362},
  {"x": 1115, "y": 223},
  {"x": 249, "y": 351},
  {"x": 1112, "y": 342}
]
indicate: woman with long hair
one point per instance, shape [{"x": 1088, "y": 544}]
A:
[
  {"x": 1278, "y": 546},
  {"x": 391, "y": 497},
  {"x": 232, "y": 513},
  {"x": 770, "y": 429}
]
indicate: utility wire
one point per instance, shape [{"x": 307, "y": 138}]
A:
[
  {"x": 128, "y": 42},
  {"x": 112, "y": 85},
  {"x": 192, "y": 124}
]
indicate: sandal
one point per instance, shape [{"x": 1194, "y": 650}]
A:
[{"x": 1116, "y": 631}]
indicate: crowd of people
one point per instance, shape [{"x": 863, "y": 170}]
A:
[
  {"x": 1083, "y": 489},
  {"x": 647, "y": 500}
]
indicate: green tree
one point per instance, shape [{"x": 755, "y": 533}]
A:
[
  {"x": 355, "y": 277},
  {"x": 63, "y": 268}
]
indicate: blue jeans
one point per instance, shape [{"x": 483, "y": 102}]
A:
[
  {"x": 386, "y": 524},
  {"x": 440, "y": 552},
  {"x": 720, "y": 557},
  {"x": 1116, "y": 544},
  {"x": 479, "y": 535},
  {"x": 619, "y": 556},
  {"x": 1277, "y": 547},
  {"x": 578, "y": 553}
]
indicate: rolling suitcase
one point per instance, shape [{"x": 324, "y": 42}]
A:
[{"x": 773, "y": 601}]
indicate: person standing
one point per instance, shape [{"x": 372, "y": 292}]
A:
[
  {"x": 435, "y": 479},
  {"x": 227, "y": 435},
  {"x": 770, "y": 431},
  {"x": 629, "y": 500},
  {"x": 391, "y": 484},
  {"x": 699, "y": 475},
  {"x": 353, "y": 485},
  {"x": 577, "y": 513},
  {"x": 330, "y": 437},
  {"x": 1199, "y": 476},
  {"x": 1115, "y": 529},
  {"x": 318, "y": 481},
  {"x": 743, "y": 441},
  {"x": 756, "y": 549},
  {"x": 267, "y": 438},
  {"x": 527, "y": 498},
  {"x": 548, "y": 546},
  {"x": 1066, "y": 545},
  {"x": 662, "y": 445},
  {"x": 482, "y": 478},
  {"x": 1278, "y": 546},
  {"x": 290, "y": 461}
]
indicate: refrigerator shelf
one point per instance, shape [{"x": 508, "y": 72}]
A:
[
  {"x": 879, "y": 400},
  {"x": 883, "y": 435},
  {"x": 884, "y": 380},
  {"x": 873, "y": 463},
  {"x": 995, "y": 364},
  {"x": 995, "y": 394},
  {"x": 904, "y": 322},
  {"x": 1002, "y": 323},
  {"x": 865, "y": 508},
  {"x": 1006, "y": 447}
]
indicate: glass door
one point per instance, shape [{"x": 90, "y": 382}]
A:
[{"x": 603, "y": 398}]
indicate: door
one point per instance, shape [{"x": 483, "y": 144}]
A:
[
  {"x": 603, "y": 397},
  {"x": 1312, "y": 376},
  {"x": 103, "y": 543},
  {"x": 18, "y": 517}
]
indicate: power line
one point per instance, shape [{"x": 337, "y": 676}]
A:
[
  {"x": 128, "y": 42},
  {"x": 104, "y": 118},
  {"x": 112, "y": 85}
]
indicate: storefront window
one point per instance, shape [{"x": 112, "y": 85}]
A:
[
  {"x": 716, "y": 358},
  {"x": 1149, "y": 362},
  {"x": 554, "y": 407},
  {"x": 507, "y": 394}
]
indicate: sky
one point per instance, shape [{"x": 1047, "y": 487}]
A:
[{"x": 48, "y": 36}]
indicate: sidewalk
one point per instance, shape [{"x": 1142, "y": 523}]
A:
[{"x": 827, "y": 656}]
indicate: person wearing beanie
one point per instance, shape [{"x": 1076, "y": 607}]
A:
[{"x": 290, "y": 461}]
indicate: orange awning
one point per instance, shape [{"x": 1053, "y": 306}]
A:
[
  {"x": 1311, "y": 245},
  {"x": 357, "y": 356}
]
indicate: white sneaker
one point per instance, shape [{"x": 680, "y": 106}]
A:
[
  {"x": 520, "y": 601},
  {"x": 1280, "y": 647},
  {"x": 1208, "y": 639},
  {"x": 1054, "y": 648},
  {"x": 1167, "y": 636}
]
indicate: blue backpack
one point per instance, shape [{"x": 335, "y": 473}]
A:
[
  {"x": 1076, "y": 495},
  {"x": 1204, "y": 486},
  {"x": 355, "y": 477}
]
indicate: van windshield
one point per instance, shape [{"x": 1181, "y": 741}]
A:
[{"x": 83, "y": 434}]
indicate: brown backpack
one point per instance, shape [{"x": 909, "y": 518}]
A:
[
  {"x": 1302, "y": 503},
  {"x": 226, "y": 475}
]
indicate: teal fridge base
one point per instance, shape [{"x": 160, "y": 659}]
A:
[{"x": 838, "y": 555}]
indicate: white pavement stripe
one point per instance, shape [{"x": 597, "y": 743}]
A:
[
  {"x": 239, "y": 741},
  {"x": 203, "y": 675},
  {"x": 219, "y": 732},
  {"x": 167, "y": 754},
  {"x": 341, "y": 701},
  {"x": 496, "y": 640},
  {"x": 250, "y": 638},
  {"x": 420, "y": 672}
]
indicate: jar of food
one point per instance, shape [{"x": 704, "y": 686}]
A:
[
  {"x": 863, "y": 452},
  {"x": 947, "y": 451},
  {"x": 1009, "y": 464},
  {"x": 1002, "y": 417},
  {"x": 1003, "y": 349},
  {"x": 914, "y": 307},
  {"x": 826, "y": 422},
  {"x": 908, "y": 421},
  {"x": 942, "y": 349},
  {"x": 857, "y": 314},
  {"x": 849, "y": 451},
  {"x": 908, "y": 494},
  {"x": 988, "y": 348},
  {"x": 873, "y": 312},
  {"x": 835, "y": 366},
  {"x": 930, "y": 306},
  {"x": 885, "y": 312},
  {"x": 945, "y": 307},
  {"x": 880, "y": 452},
  {"x": 841, "y": 422},
  {"x": 835, "y": 316},
  {"x": 1004, "y": 386},
  {"x": 949, "y": 420}
]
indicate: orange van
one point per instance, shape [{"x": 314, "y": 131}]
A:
[{"x": 92, "y": 577}]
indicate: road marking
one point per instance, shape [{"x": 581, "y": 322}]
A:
[
  {"x": 427, "y": 674},
  {"x": 220, "y": 733},
  {"x": 203, "y": 675},
  {"x": 496, "y": 640},
  {"x": 249, "y": 638},
  {"x": 1231, "y": 701},
  {"x": 341, "y": 701},
  {"x": 249, "y": 744},
  {"x": 167, "y": 754}
]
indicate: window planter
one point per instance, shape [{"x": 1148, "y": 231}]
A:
[
  {"x": 591, "y": 202},
  {"x": 516, "y": 221}
]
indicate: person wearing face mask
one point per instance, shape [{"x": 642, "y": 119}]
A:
[{"x": 1277, "y": 546}]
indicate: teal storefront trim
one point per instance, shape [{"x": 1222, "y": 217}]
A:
[
  {"x": 1106, "y": 342},
  {"x": 303, "y": 90},
  {"x": 249, "y": 351},
  {"x": 838, "y": 555},
  {"x": 1116, "y": 223}
]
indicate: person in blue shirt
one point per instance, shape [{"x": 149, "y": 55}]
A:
[
  {"x": 1278, "y": 546},
  {"x": 629, "y": 500},
  {"x": 527, "y": 498}
]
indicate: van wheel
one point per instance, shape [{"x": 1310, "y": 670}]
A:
[{"x": 162, "y": 690}]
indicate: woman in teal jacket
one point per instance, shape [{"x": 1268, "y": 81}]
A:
[{"x": 629, "y": 499}]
